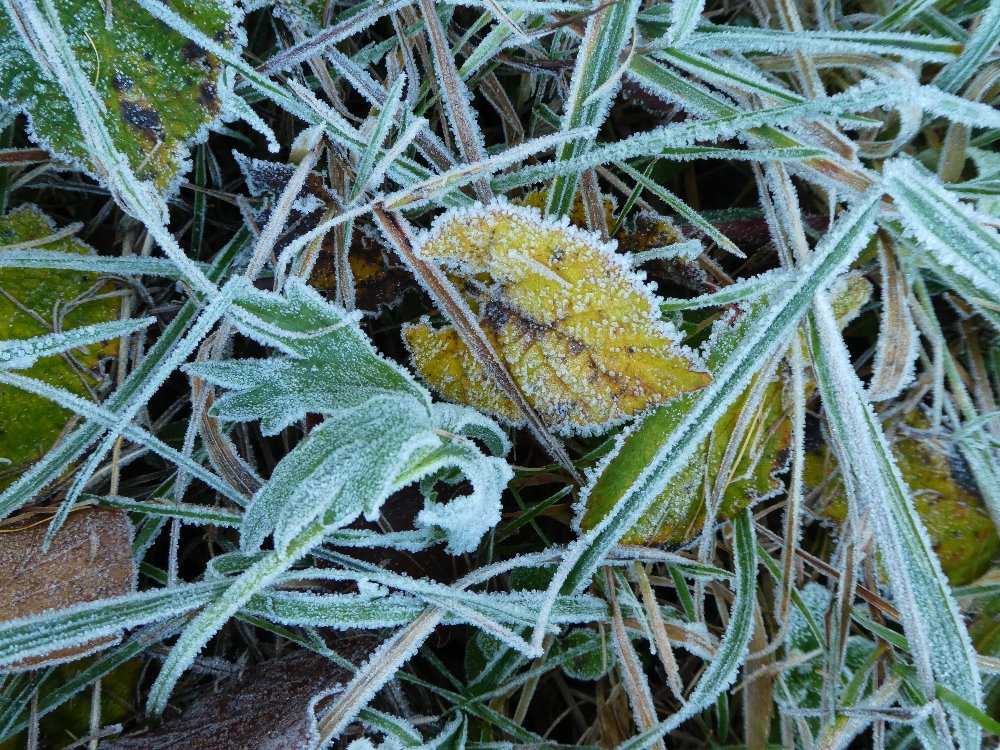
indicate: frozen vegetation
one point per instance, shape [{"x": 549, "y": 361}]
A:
[{"x": 499, "y": 374}]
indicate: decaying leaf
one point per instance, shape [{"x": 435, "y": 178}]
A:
[
  {"x": 268, "y": 179},
  {"x": 90, "y": 558},
  {"x": 159, "y": 90},
  {"x": 379, "y": 283},
  {"x": 580, "y": 331},
  {"x": 946, "y": 499},
  {"x": 34, "y": 303},
  {"x": 648, "y": 232},
  {"x": 270, "y": 707}
]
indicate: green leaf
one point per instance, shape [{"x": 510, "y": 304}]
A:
[
  {"x": 948, "y": 231},
  {"x": 733, "y": 475},
  {"x": 351, "y": 463},
  {"x": 983, "y": 41},
  {"x": 158, "y": 91},
  {"x": 962, "y": 533},
  {"x": 381, "y": 436},
  {"x": 36, "y": 303},
  {"x": 679, "y": 512},
  {"x": 343, "y": 468},
  {"x": 584, "y": 654}
]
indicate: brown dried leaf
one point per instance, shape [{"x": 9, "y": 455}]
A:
[
  {"x": 90, "y": 558},
  {"x": 379, "y": 282},
  {"x": 270, "y": 707}
]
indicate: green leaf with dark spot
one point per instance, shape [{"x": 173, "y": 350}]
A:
[{"x": 159, "y": 89}]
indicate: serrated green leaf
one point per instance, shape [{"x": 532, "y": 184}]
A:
[
  {"x": 329, "y": 366},
  {"x": 381, "y": 436}
]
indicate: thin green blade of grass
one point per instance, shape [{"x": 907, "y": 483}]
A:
[
  {"x": 939, "y": 642},
  {"x": 945, "y": 227},
  {"x": 124, "y": 266},
  {"x": 41, "y": 634},
  {"x": 771, "y": 41},
  {"x": 594, "y": 84},
  {"x": 16, "y": 354},
  {"x": 52, "y": 697},
  {"x": 684, "y": 210},
  {"x": 109, "y": 420},
  {"x": 956, "y": 74}
]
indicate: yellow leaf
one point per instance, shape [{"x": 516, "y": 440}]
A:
[
  {"x": 449, "y": 365},
  {"x": 579, "y": 330}
]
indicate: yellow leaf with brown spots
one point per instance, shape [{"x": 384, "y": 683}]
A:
[{"x": 580, "y": 331}]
